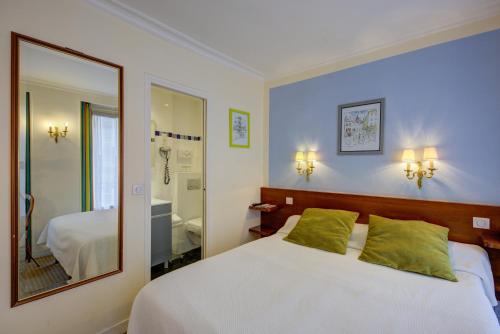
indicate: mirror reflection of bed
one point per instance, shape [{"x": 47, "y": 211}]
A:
[{"x": 68, "y": 169}]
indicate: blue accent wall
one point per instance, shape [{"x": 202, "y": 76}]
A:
[{"x": 447, "y": 96}]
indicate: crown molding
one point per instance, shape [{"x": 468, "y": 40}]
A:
[
  {"x": 171, "y": 35},
  {"x": 65, "y": 88},
  {"x": 473, "y": 26}
]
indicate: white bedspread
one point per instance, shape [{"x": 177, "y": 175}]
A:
[
  {"x": 84, "y": 243},
  {"x": 272, "y": 286}
]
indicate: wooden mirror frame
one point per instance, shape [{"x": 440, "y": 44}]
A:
[{"x": 14, "y": 210}]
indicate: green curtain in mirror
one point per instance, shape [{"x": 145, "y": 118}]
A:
[
  {"x": 86, "y": 152},
  {"x": 27, "y": 175}
]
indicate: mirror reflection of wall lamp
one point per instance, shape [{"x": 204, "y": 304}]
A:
[
  {"x": 55, "y": 133},
  {"x": 430, "y": 155},
  {"x": 305, "y": 162}
]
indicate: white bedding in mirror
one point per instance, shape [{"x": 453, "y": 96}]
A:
[
  {"x": 84, "y": 243},
  {"x": 273, "y": 286}
]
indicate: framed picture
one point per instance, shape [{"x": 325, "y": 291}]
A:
[
  {"x": 361, "y": 127},
  {"x": 239, "y": 128}
]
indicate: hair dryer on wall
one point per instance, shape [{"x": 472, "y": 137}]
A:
[{"x": 165, "y": 154}]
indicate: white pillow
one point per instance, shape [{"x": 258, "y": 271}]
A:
[
  {"x": 356, "y": 240},
  {"x": 358, "y": 236},
  {"x": 289, "y": 224},
  {"x": 474, "y": 260}
]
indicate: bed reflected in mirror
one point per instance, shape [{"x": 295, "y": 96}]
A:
[{"x": 68, "y": 222}]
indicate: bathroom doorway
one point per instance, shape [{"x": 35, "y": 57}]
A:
[{"x": 177, "y": 161}]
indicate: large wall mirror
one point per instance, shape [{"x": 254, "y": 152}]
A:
[{"x": 66, "y": 168}]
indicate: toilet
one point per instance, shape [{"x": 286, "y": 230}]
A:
[
  {"x": 188, "y": 231},
  {"x": 182, "y": 242},
  {"x": 194, "y": 228}
]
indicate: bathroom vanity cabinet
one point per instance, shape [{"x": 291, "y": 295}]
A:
[{"x": 161, "y": 232}]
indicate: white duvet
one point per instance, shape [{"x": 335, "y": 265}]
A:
[
  {"x": 273, "y": 286},
  {"x": 84, "y": 243}
]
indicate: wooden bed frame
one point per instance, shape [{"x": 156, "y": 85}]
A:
[{"x": 456, "y": 216}]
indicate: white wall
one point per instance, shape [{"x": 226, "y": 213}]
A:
[
  {"x": 233, "y": 176},
  {"x": 162, "y": 118}
]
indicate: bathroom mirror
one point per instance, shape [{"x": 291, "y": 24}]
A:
[{"x": 66, "y": 169}]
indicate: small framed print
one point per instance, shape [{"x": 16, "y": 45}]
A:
[
  {"x": 361, "y": 127},
  {"x": 239, "y": 128}
]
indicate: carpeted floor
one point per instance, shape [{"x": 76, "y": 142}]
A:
[{"x": 34, "y": 279}]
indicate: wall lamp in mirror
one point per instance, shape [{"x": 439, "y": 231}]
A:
[
  {"x": 424, "y": 168},
  {"x": 305, "y": 162},
  {"x": 55, "y": 133}
]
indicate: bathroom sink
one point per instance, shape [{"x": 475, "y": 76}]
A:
[{"x": 157, "y": 201}]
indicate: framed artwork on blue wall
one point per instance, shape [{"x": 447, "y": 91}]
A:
[{"x": 361, "y": 127}]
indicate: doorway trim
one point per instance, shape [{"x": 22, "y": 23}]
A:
[{"x": 151, "y": 80}]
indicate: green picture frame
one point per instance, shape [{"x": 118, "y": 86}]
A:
[{"x": 239, "y": 128}]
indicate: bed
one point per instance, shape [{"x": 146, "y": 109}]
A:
[
  {"x": 273, "y": 286},
  {"x": 84, "y": 243}
]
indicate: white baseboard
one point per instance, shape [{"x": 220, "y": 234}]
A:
[{"x": 118, "y": 328}]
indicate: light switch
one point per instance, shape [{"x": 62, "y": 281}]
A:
[
  {"x": 480, "y": 222},
  {"x": 289, "y": 200},
  {"x": 137, "y": 189}
]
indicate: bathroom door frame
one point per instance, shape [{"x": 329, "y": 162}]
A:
[{"x": 187, "y": 90}]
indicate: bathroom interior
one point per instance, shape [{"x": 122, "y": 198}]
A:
[{"x": 177, "y": 185}]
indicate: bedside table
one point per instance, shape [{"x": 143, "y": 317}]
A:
[
  {"x": 263, "y": 231},
  {"x": 491, "y": 241},
  {"x": 264, "y": 207}
]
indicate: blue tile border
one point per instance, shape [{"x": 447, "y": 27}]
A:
[{"x": 177, "y": 135}]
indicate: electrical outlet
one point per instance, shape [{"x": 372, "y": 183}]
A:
[
  {"x": 137, "y": 189},
  {"x": 480, "y": 222},
  {"x": 289, "y": 200}
]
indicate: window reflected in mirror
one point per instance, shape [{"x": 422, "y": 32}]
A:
[{"x": 68, "y": 177}]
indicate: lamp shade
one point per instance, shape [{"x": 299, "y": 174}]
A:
[
  {"x": 299, "y": 156},
  {"x": 430, "y": 153},
  {"x": 311, "y": 156},
  {"x": 408, "y": 155}
]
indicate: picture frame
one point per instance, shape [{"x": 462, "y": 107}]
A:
[
  {"x": 239, "y": 128},
  {"x": 361, "y": 127}
]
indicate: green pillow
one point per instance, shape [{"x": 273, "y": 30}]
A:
[
  {"x": 324, "y": 229},
  {"x": 409, "y": 245}
]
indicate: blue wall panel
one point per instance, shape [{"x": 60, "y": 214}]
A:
[{"x": 446, "y": 96}]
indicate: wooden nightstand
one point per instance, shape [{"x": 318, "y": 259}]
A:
[
  {"x": 263, "y": 231},
  {"x": 491, "y": 241}
]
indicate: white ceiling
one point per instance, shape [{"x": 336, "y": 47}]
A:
[
  {"x": 279, "y": 37},
  {"x": 49, "y": 67}
]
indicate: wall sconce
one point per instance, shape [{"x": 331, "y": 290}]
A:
[
  {"x": 305, "y": 163},
  {"x": 55, "y": 133},
  {"x": 430, "y": 155}
]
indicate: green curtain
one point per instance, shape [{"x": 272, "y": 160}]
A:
[
  {"x": 86, "y": 154},
  {"x": 27, "y": 175}
]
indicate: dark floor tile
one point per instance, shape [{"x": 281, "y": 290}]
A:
[{"x": 187, "y": 259}]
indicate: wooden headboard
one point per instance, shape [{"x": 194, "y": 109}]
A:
[{"x": 456, "y": 216}]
